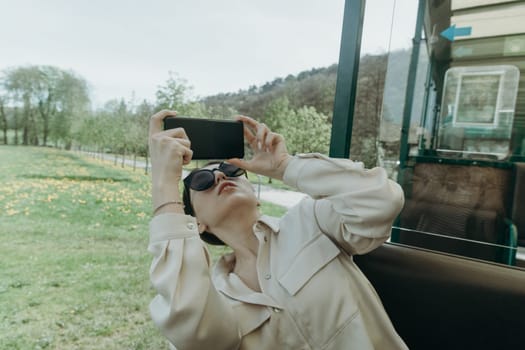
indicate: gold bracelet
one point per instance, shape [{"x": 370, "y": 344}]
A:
[{"x": 167, "y": 203}]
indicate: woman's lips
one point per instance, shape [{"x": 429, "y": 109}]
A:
[{"x": 224, "y": 185}]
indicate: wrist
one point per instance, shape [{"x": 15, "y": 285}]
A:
[
  {"x": 281, "y": 167},
  {"x": 164, "y": 194}
]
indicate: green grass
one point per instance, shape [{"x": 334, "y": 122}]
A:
[{"x": 73, "y": 258}]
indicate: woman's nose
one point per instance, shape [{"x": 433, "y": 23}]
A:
[{"x": 219, "y": 175}]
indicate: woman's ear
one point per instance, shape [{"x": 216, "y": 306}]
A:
[{"x": 202, "y": 227}]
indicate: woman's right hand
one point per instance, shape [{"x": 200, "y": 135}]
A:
[{"x": 169, "y": 150}]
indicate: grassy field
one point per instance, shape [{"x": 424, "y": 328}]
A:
[{"x": 73, "y": 259}]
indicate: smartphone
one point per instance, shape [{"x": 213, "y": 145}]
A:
[{"x": 211, "y": 138}]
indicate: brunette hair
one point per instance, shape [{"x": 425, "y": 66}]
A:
[{"x": 206, "y": 236}]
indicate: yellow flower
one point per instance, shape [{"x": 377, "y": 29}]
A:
[{"x": 11, "y": 212}]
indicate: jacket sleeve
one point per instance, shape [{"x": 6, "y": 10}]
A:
[
  {"x": 187, "y": 308},
  {"x": 354, "y": 206}
]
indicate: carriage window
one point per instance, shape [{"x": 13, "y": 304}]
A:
[{"x": 452, "y": 129}]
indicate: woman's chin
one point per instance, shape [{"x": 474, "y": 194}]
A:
[{"x": 235, "y": 200}]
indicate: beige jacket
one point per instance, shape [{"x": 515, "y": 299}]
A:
[{"x": 313, "y": 295}]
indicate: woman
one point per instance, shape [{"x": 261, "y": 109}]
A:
[{"x": 290, "y": 283}]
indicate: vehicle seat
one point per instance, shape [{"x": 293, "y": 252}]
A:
[{"x": 464, "y": 202}]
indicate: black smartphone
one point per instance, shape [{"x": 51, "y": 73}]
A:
[{"x": 211, "y": 138}]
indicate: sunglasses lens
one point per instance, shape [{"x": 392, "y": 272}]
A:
[
  {"x": 231, "y": 170},
  {"x": 202, "y": 180}
]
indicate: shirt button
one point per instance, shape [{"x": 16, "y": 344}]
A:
[
  {"x": 268, "y": 276},
  {"x": 190, "y": 225},
  {"x": 265, "y": 239},
  {"x": 276, "y": 310}
]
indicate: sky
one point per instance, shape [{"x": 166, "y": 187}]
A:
[{"x": 127, "y": 48}]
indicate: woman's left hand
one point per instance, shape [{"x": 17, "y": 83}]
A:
[{"x": 270, "y": 156}]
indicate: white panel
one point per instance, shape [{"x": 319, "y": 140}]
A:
[
  {"x": 464, "y": 4},
  {"x": 492, "y": 21}
]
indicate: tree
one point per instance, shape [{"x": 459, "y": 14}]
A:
[
  {"x": 277, "y": 113},
  {"x": 51, "y": 99},
  {"x": 219, "y": 111},
  {"x": 116, "y": 116},
  {"x": 142, "y": 114},
  {"x": 306, "y": 130},
  {"x": 15, "y": 124},
  {"x": 70, "y": 104},
  {"x": 22, "y": 83},
  {"x": 173, "y": 94},
  {"x": 367, "y": 112},
  {"x": 314, "y": 88}
]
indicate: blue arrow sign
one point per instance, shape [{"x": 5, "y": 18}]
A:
[{"x": 452, "y": 32}]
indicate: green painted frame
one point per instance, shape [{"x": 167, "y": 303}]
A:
[{"x": 347, "y": 71}]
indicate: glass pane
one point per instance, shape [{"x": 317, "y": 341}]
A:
[
  {"x": 477, "y": 112},
  {"x": 463, "y": 172},
  {"x": 501, "y": 253},
  {"x": 385, "y": 53}
]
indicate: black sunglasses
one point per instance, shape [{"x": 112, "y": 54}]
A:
[{"x": 203, "y": 179}]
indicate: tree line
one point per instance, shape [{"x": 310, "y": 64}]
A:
[{"x": 49, "y": 106}]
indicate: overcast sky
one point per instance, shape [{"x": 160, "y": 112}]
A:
[{"x": 125, "y": 46}]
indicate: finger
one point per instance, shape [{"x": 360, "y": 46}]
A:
[
  {"x": 172, "y": 142},
  {"x": 185, "y": 143},
  {"x": 247, "y": 120},
  {"x": 251, "y": 128},
  {"x": 250, "y": 121},
  {"x": 187, "y": 155},
  {"x": 156, "y": 121},
  {"x": 179, "y": 133},
  {"x": 249, "y": 135},
  {"x": 171, "y": 135},
  {"x": 262, "y": 132},
  {"x": 271, "y": 140},
  {"x": 239, "y": 163},
  {"x": 180, "y": 149}
]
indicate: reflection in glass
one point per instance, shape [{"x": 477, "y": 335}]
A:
[
  {"x": 504, "y": 253},
  {"x": 476, "y": 100},
  {"x": 393, "y": 52},
  {"x": 477, "y": 112}
]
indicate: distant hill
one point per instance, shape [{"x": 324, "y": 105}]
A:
[{"x": 316, "y": 88}]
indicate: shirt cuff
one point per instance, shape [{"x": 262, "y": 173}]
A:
[
  {"x": 294, "y": 167},
  {"x": 164, "y": 227}
]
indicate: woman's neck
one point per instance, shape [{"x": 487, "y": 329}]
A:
[
  {"x": 241, "y": 239},
  {"x": 245, "y": 265},
  {"x": 247, "y": 272},
  {"x": 239, "y": 235}
]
